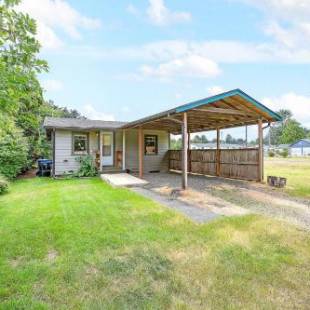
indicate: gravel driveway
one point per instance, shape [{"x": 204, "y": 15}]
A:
[{"x": 233, "y": 197}]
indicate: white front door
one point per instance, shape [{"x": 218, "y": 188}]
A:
[{"x": 107, "y": 149}]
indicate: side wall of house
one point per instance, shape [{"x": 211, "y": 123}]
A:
[
  {"x": 65, "y": 162},
  {"x": 157, "y": 162}
]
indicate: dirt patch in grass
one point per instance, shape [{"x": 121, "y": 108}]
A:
[
  {"x": 203, "y": 200},
  {"x": 16, "y": 262},
  {"x": 273, "y": 199},
  {"x": 51, "y": 256},
  {"x": 29, "y": 174},
  {"x": 264, "y": 203}
]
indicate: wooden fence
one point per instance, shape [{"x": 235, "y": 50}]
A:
[{"x": 229, "y": 163}]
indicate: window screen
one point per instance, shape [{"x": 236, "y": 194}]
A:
[
  {"x": 80, "y": 144},
  {"x": 150, "y": 145}
]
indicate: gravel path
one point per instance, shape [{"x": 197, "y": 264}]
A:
[
  {"x": 196, "y": 214},
  {"x": 221, "y": 195}
]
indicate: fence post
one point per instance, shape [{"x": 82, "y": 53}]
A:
[{"x": 185, "y": 146}]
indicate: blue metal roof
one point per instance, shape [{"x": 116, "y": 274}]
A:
[
  {"x": 230, "y": 93},
  {"x": 301, "y": 143}
]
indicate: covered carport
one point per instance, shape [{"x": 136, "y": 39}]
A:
[{"x": 230, "y": 109}]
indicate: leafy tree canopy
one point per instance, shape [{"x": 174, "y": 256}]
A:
[
  {"x": 292, "y": 132},
  {"x": 22, "y": 107},
  {"x": 287, "y": 131}
]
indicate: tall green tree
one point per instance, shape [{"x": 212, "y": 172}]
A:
[
  {"x": 292, "y": 132},
  {"x": 287, "y": 131},
  {"x": 20, "y": 91},
  {"x": 19, "y": 62},
  {"x": 22, "y": 108}
]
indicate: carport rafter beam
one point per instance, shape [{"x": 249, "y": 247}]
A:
[
  {"x": 173, "y": 120},
  {"x": 223, "y": 111}
]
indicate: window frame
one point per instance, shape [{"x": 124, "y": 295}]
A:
[
  {"x": 156, "y": 145},
  {"x": 79, "y": 133}
]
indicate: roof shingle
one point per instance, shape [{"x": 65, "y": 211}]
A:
[{"x": 81, "y": 124}]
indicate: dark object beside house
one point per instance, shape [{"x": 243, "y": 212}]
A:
[
  {"x": 44, "y": 167},
  {"x": 276, "y": 181}
]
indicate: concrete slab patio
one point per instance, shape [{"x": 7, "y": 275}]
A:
[{"x": 123, "y": 180}]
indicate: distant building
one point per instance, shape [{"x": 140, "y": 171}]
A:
[
  {"x": 300, "y": 148},
  {"x": 277, "y": 149}
]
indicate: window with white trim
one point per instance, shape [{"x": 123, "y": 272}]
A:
[
  {"x": 150, "y": 145},
  {"x": 80, "y": 143}
]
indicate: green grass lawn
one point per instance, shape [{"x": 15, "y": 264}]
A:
[
  {"x": 297, "y": 172},
  {"x": 79, "y": 244}
]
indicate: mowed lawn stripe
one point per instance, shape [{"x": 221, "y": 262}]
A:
[{"x": 79, "y": 243}]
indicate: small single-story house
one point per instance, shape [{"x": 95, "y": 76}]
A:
[
  {"x": 143, "y": 145},
  {"x": 112, "y": 148},
  {"x": 300, "y": 148}
]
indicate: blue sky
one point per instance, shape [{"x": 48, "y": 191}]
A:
[{"x": 127, "y": 59}]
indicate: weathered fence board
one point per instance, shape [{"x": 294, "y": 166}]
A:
[{"x": 233, "y": 163}]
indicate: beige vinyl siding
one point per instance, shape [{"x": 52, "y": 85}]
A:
[
  {"x": 93, "y": 142},
  {"x": 65, "y": 162},
  {"x": 118, "y": 146},
  {"x": 150, "y": 162}
]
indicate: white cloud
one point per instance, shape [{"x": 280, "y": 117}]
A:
[
  {"x": 52, "y": 85},
  {"x": 215, "y": 90},
  {"x": 285, "y": 9},
  {"x": 132, "y": 9},
  {"x": 90, "y": 112},
  {"x": 160, "y": 15},
  {"x": 189, "y": 66},
  {"x": 220, "y": 51},
  {"x": 47, "y": 37},
  {"x": 168, "y": 58},
  {"x": 299, "y": 105},
  {"x": 288, "y": 20},
  {"x": 53, "y": 16}
]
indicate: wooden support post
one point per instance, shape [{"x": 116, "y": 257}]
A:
[
  {"x": 218, "y": 163},
  {"x": 260, "y": 152},
  {"x": 140, "y": 138},
  {"x": 184, "y": 151},
  {"x": 124, "y": 151},
  {"x": 169, "y": 150},
  {"x": 246, "y": 136},
  {"x": 169, "y": 140},
  {"x": 189, "y": 160}
]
